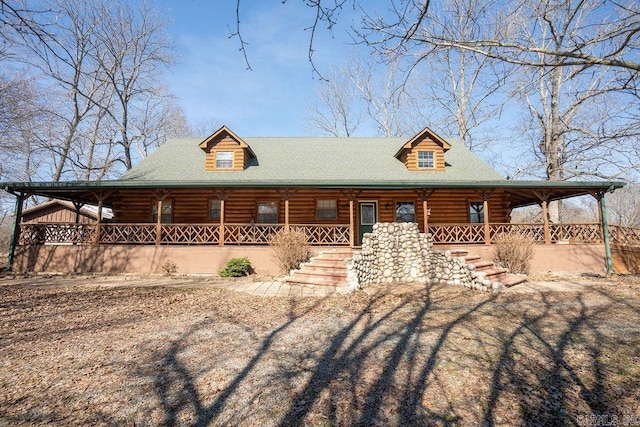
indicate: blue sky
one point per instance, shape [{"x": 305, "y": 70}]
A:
[{"x": 211, "y": 79}]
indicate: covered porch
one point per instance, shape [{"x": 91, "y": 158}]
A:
[{"x": 172, "y": 214}]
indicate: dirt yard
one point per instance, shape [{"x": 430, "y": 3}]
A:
[{"x": 89, "y": 354}]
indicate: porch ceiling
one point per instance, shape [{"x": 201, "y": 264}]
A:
[{"x": 522, "y": 193}]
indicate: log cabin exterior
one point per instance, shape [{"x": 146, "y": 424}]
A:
[{"x": 231, "y": 191}]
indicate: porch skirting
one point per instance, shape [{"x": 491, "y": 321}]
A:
[{"x": 149, "y": 259}]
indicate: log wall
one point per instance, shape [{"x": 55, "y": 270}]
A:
[
  {"x": 410, "y": 157},
  {"x": 226, "y": 143},
  {"x": 241, "y": 205}
]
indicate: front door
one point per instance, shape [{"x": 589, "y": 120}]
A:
[{"x": 367, "y": 216}]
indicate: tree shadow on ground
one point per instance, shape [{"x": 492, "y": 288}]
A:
[{"x": 428, "y": 358}]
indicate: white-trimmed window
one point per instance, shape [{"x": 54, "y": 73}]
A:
[
  {"x": 224, "y": 159},
  {"x": 476, "y": 212},
  {"x": 267, "y": 212},
  {"x": 326, "y": 209},
  {"x": 214, "y": 209},
  {"x": 405, "y": 212},
  {"x": 426, "y": 160},
  {"x": 167, "y": 210}
]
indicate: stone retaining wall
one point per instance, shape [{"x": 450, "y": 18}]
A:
[{"x": 397, "y": 253}]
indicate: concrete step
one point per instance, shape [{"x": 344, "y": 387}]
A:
[
  {"x": 459, "y": 252},
  {"x": 481, "y": 264},
  {"x": 326, "y": 269},
  {"x": 513, "y": 279},
  {"x": 330, "y": 270},
  {"x": 324, "y": 262},
  {"x": 318, "y": 279},
  {"x": 495, "y": 274},
  {"x": 471, "y": 258},
  {"x": 342, "y": 255}
]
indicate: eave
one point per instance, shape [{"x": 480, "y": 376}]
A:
[{"x": 522, "y": 193}]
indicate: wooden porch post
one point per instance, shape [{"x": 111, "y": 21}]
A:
[
  {"x": 487, "y": 229},
  {"x": 221, "y": 237},
  {"x": 424, "y": 195},
  {"x": 286, "y": 213},
  {"x": 545, "y": 222},
  {"x": 425, "y": 216},
  {"x": 77, "y": 207},
  {"x": 159, "y": 222},
  {"x": 15, "y": 232},
  {"x": 351, "y": 227},
  {"x": 96, "y": 239}
]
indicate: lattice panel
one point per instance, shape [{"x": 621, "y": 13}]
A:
[
  {"x": 38, "y": 234},
  {"x": 534, "y": 232},
  {"x": 250, "y": 233},
  {"x": 624, "y": 235},
  {"x": 576, "y": 233},
  {"x": 457, "y": 233},
  {"x": 325, "y": 234},
  {"x": 191, "y": 234},
  {"x": 127, "y": 233}
]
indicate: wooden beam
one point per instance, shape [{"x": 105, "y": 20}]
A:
[
  {"x": 221, "y": 234},
  {"x": 96, "y": 239},
  {"x": 425, "y": 215},
  {"x": 351, "y": 226},
  {"x": 545, "y": 222},
  {"x": 159, "y": 222},
  {"x": 487, "y": 229},
  {"x": 77, "y": 206},
  {"x": 286, "y": 214}
]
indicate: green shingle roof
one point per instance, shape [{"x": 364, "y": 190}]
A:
[{"x": 301, "y": 160}]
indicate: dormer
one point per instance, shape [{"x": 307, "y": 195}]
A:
[
  {"x": 424, "y": 152},
  {"x": 226, "y": 151}
]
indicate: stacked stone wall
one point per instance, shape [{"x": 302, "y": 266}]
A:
[{"x": 396, "y": 253}]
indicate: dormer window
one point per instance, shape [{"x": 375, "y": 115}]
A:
[
  {"x": 426, "y": 160},
  {"x": 224, "y": 159}
]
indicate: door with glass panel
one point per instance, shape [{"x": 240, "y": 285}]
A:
[{"x": 367, "y": 216}]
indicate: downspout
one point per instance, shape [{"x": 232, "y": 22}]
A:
[
  {"x": 605, "y": 232},
  {"x": 15, "y": 232}
]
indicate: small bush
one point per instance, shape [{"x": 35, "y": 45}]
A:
[
  {"x": 169, "y": 267},
  {"x": 236, "y": 267},
  {"x": 513, "y": 252},
  {"x": 290, "y": 249}
]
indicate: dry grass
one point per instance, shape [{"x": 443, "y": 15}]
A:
[{"x": 77, "y": 355}]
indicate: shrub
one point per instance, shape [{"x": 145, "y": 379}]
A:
[
  {"x": 169, "y": 267},
  {"x": 290, "y": 249},
  {"x": 513, "y": 252},
  {"x": 236, "y": 267}
]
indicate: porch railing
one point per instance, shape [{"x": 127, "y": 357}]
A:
[
  {"x": 558, "y": 233},
  {"x": 326, "y": 234},
  {"x": 625, "y": 236}
]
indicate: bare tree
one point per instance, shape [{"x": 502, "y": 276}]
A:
[
  {"x": 335, "y": 109},
  {"x": 612, "y": 27},
  {"x": 70, "y": 77},
  {"x": 461, "y": 89},
  {"x": 365, "y": 94},
  {"x": 133, "y": 49},
  {"x": 388, "y": 98}
]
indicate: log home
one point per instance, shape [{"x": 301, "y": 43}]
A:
[{"x": 199, "y": 202}]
